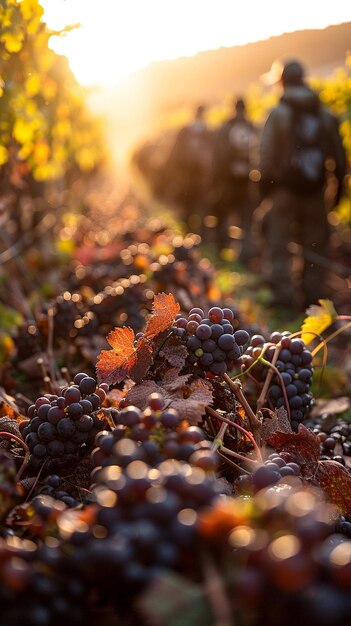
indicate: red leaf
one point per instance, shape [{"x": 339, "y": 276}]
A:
[
  {"x": 125, "y": 359},
  {"x": 335, "y": 481},
  {"x": 164, "y": 310},
  {"x": 304, "y": 444}
]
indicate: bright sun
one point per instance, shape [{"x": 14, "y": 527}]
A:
[{"x": 117, "y": 37}]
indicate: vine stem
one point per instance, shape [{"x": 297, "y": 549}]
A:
[
  {"x": 334, "y": 334},
  {"x": 245, "y": 432},
  {"x": 25, "y": 448},
  {"x": 268, "y": 379},
  {"x": 277, "y": 372},
  {"x": 255, "y": 424},
  {"x": 218, "y": 440}
]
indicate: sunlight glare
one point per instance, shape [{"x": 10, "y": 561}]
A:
[{"x": 117, "y": 38}]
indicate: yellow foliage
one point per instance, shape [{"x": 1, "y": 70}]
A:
[
  {"x": 3, "y": 155},
  {"x": 319, "y": 318},
  {"x": 12, "y": 42},
  {"x": 31, "y": 9},
  {"x": 32, "y": 84},
  {"x": 22, "y": 131},
  {"x": 41, "y": 152}
]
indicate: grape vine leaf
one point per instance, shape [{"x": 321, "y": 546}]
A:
[
  {"x": 174, "y": 352},
  {"x": 304, "y": 445},
  {"x": 319, "y": 318},
  {"x": 335, "y": 481},
  {"x": 125, "y": 359},
  {"x": 164, "y": 310},
  {"x": 278, "y": 423},
  {"x": 188, "y": 398}
]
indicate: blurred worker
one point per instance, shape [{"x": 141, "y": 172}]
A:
[
  {"x": 235, "y": 174},
  {"x": 300, "y": 146},
  {"x": 188, "y": 169}
]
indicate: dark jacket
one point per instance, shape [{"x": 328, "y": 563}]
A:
[{"x": 275, "y": 139}]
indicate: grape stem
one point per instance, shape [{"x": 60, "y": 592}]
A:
[
  {"x": 240, "y": 469},
  {"x": 218, "y": 440},
  {"x": 267, "y": 382},
  {"x": 334, "y": 334},
  {"x": 25, "y": 448},
  {"x": 255, "y": 424},
  {"x": 245, "y": 432},
  {"x": 277, "y": 372}
]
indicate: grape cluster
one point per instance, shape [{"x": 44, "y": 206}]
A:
[
  {"x": 334, "y": 435},
  {"x": 60, "y": 425},
  {"x": 214, "y": 343},
  {"x": 282, "y": 546},
  {"x": 38, "y": 585},
  {"x": 145, "y": 523},
  {"x": 294, "y": 364},
  {"x": 54, "y": 487},
  {"x": 276, "y": 467},
  {"x": 155, "y": 434}
]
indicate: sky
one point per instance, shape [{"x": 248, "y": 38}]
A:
[{"x": 117, "y": 37}]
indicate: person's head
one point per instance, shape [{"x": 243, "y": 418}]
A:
[
  {"x": 287, "y": 72},
  {"x": 239, "y": 106},
  {"x": 292, "y": 74},
  {"x": 200, "y": 112}
]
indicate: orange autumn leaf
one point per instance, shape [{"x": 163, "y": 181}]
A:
[
  {"x": 125, "y": 358},
  {"x": 164, "y": 310},
  {"x": 335, "y": 481}
]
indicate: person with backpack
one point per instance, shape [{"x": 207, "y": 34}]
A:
[
  {"x": 301, "y": 150},
  {"x": 235, "y": 160},
  {"x": 188, "y": 169}
]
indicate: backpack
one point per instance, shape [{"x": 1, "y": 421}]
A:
[
  {"x": 305, "y": 172},
  {"x": 240, "y": 143}
]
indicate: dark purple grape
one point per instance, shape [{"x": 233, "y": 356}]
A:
[
  {"x": 197, "y": 310},
  {"x": 228, "y": 314},
  {"x": 84, "y": 423},
  {"x": 218, "y": 368},
  {"x": 209, "y": 345},
  {"x": 95, "y": 401},
  {"x": 218, "y": 355},
  {"x": 241, "y": 337},
  {"x": 74, "y": 410},
  {"x": 39, "y": 450},
  {"x": 55, "y": 415},
  {"x": 203, "y": 332},
  {"x": 265, "y": 476},
  {"x": 55, "y": 448},
  {"x": 87, "y": 385},
  {"x": 78, "y": 377},
  {"x": 86, "y": 405},
  {"x": 43, "y": 410},
  {"x": 226, "y": 342},
  {"x": 170, "y": 418},
  {"x": 32, "y": 439},
  {"x": 47, "y": 432},
  {"x": 40, "y": 401},
  {"x": 131, "y": 415},
  {"x": 217, "y": 331},
  {"x": 205, "y": 360},
  {"x": 72, "y": 394},
  {"x": 66, "y": 427}
]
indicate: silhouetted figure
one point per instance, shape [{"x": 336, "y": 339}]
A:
[
  {"x": 188, "y": 170},
  {"x": 235, "y": 174},
  {"x": 300, "y": 148}
]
